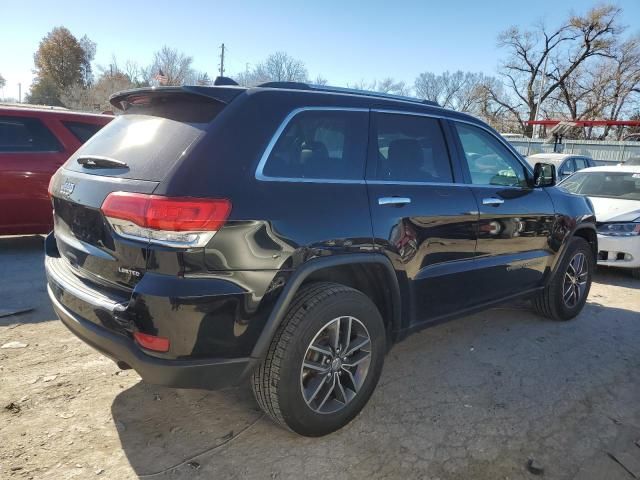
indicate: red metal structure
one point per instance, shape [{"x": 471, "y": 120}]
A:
[
  {"x": 560, "y": 127},
  {"x": 586, "y": 123},
  {"x": 34, "y": 143}
]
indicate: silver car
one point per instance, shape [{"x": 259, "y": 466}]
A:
[{"x": 565, "y": 164}]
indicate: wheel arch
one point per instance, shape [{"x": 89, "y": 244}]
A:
[
  {"x": 369, "y": 273},
  {"x": 588, "y": 232}
]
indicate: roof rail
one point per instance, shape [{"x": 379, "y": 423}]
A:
[{"x": 351, "y": 91}]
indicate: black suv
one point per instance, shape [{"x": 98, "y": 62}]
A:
[{"x": 290, "y": 234}]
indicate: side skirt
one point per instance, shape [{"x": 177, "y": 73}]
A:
[{"x": 400, "y": 335}]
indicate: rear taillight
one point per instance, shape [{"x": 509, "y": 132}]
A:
[{"x": 175, "y": 221}]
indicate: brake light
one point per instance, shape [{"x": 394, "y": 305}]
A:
[
  {"x": 174, "y": 221},
  {"x": 151, "y": 342}
]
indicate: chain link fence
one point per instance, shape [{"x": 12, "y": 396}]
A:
[{"x": 603, "y": 152}]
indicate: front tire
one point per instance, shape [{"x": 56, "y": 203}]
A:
[
  {"x": 565, "y": 295},
  {"x": 323, "y": 362}
]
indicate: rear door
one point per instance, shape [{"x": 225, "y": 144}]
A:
[
  {"x": 515, "y": 219},
  {"x": 422, "y": 220},
  {"x": 29, "y": 154}
]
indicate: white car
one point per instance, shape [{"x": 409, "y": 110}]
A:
[
  {"x": 565, "y": 163},
  {"x": 615, "y": 194}
]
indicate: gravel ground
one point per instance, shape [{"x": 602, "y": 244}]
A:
[{"x": 475, "y": 398}]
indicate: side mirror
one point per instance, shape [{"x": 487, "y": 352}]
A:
[{"x": 544, "y": 175}]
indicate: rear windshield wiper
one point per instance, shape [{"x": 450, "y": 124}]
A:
[{"x": 101, "y": 162}]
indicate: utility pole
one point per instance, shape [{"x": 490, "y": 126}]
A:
[
  {"x": 222, "y": 60},
  {"x": 544, "y": 77},
  {"x": 19, "y": 92}
]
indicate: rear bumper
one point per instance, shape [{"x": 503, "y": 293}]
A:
[
  {"x": 209, "y": 374},
  {"x": 621, "y": 252}
]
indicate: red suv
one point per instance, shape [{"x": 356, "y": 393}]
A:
[{"x": 34, "y": 142}]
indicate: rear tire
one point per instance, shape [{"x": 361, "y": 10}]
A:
[
  {"x": 306, "y": 357},
  {"x": 565, "y": 295}
]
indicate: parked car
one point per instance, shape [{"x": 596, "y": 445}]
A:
[
  {"x": 565, "y": 164},
  {"x": 615, "y": 194},
  {"x": 290, "y": 234},
  {"x": 34, "y": 142}
]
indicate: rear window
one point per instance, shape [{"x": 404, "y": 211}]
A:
[
  {"x": 82, "y": 131},
  {"x": 22, "y": 134},
  {"x": 321, "y": 144},
  {"x": 150, "y": 146}
]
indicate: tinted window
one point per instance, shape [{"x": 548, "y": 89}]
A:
[
  {"x": 321, "y": 145},
  {"x": 150, "y": 146},
  {"x": 490, "y": 162},
  {"x": 20, "y": 134},
  {"x": 411, "y": 148},
  {"x": 82, "y": 131}
]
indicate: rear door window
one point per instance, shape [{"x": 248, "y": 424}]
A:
[
  {"x": 82, "y": 131},
  {"x": 25, "y": 135},
  {"x": 411, "y": 148},
  {"x": 321, "y": 144}
]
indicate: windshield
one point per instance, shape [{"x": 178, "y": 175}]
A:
[{"x": 623, "y": 185}]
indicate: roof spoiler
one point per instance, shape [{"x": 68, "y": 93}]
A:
[{"x": 122, "y": 100}]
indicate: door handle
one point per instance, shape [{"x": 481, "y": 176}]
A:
[
  {"x": 399, "y": 201},
  {"x": 492, "y": 201}
]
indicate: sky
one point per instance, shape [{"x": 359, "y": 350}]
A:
[{"x": 344, "y": 41}]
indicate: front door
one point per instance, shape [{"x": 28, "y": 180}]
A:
[
  {"x": 422, "y": 220},
  {"x": 515, "y": 220}
]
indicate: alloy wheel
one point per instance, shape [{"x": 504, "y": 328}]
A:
[
  {"x": 335, "y": 365},
  {"x": 575, "y": 280}
]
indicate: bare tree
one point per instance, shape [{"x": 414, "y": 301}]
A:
[
  {"x": 624, "y": 86},
  {"x": 277, "y": 67},
  {"x": 391, "y": 86},
  {"x": 280, "y": 67},
  {"x": 198, "y": 78},
  {"x": 176, "y": 66},
  {"x": 96, "y": 97},
  {"x": 462, "y": 91},
  {"x": 577, "y": 39},
  {"x": 320, "y": 80},
  {"x": 386, "y": 85}
]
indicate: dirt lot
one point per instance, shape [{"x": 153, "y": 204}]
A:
[{"x": 475, "y": 398}]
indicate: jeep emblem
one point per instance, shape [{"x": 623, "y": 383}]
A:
[{"x": 67, "y": 188}]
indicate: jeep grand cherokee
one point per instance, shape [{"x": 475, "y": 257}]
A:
[{"x": 290, "y": 234}]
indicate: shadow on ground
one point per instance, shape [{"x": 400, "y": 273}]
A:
[
  {"x": 23, "y": 281},
  {"x": 476, "y": 397}
]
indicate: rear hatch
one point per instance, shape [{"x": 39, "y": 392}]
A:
[{"x": 132, "y": 154}]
